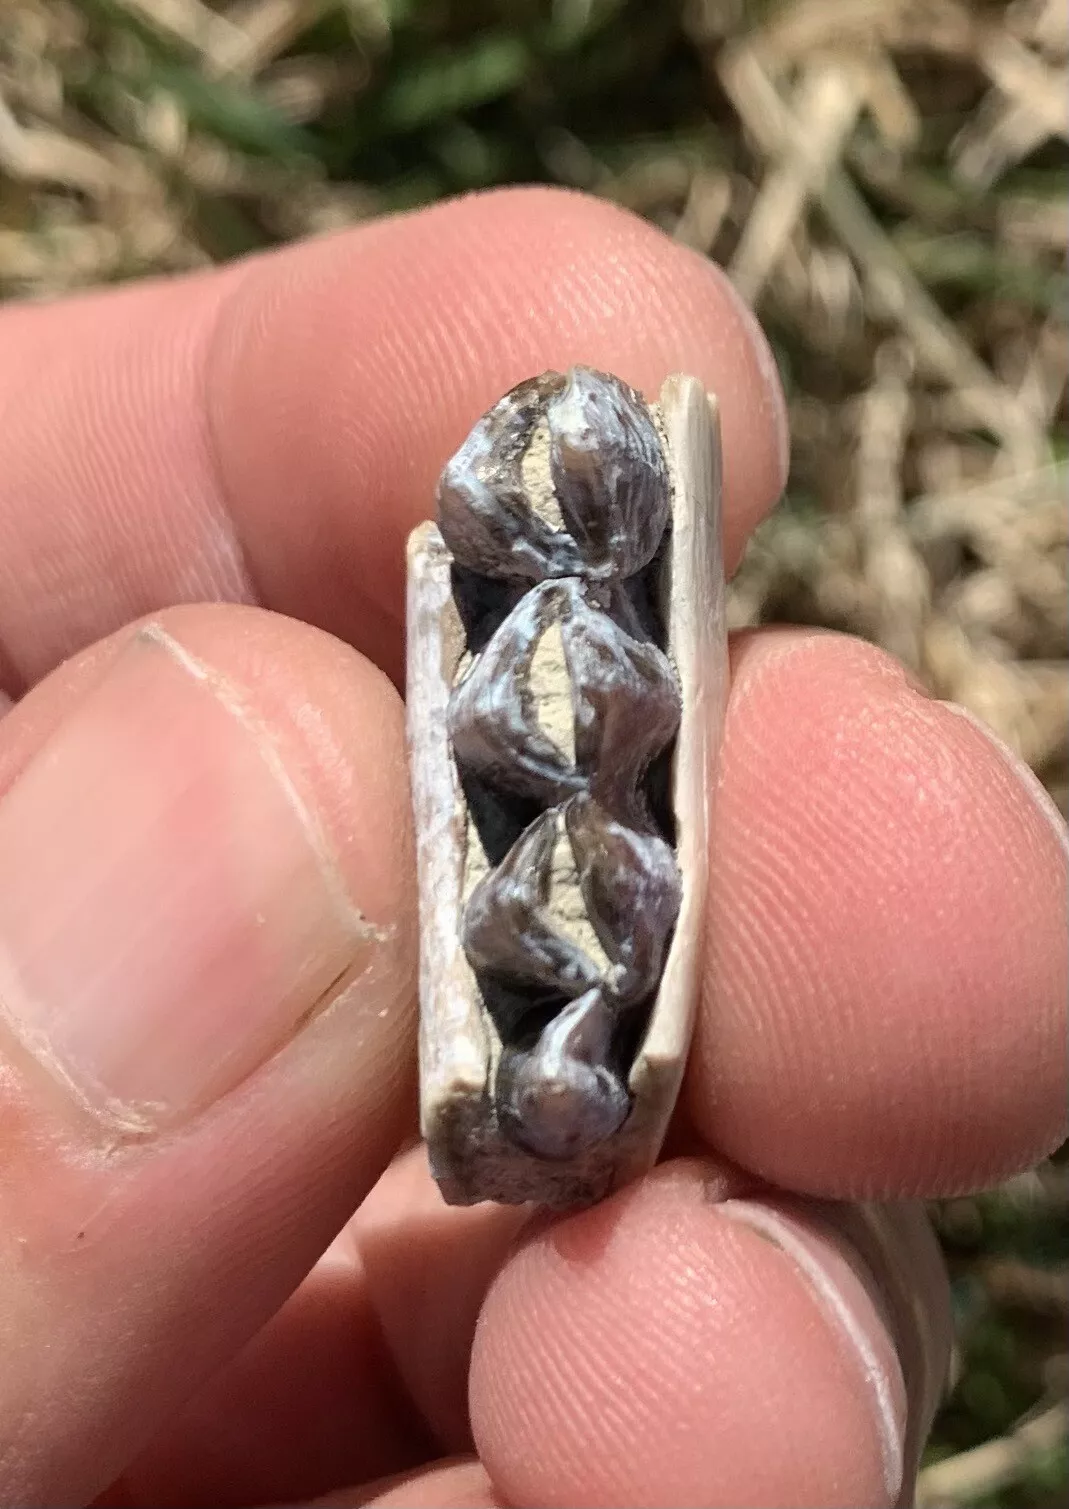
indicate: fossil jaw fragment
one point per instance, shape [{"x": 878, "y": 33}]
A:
[{"x": 567, "y": 677}]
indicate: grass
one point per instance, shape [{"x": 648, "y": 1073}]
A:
[{"x": 886, "y": 181}]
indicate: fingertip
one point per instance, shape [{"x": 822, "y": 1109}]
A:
[
  {"x": 886, "y": 996},
  {"x": 347, "y": 371},
  {"x": 654, "y": 1351},
  {"x": 445, "y": 1485},
  {"x": 453, "y": 1485},
  {"x": 269, "y": 432},
  {"x": 1008, "y": 766},
  {"x": 337, "y": 722},
  {"x": 404, "y": 1232}
]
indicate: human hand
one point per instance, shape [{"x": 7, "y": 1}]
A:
[{"x": 207, "y": 936}]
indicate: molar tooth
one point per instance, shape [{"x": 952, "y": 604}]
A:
[
  {"x": 618, "y": 692},
  {"x": 609, "y": 473},
  {"x": 494, "y": 711},
  {"x": 606, "y": 481},
  {"x": 630, "y": 884},
  {"x": 509, "y": 928},
  {"x": 559, "y": 1097},
  {"x": 484, "y": 510},
  {"x": 626, "y": 706}
]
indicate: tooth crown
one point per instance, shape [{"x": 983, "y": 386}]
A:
[
  {"x": 560, "y": 724},
  {"x": 608, "y": 475}
]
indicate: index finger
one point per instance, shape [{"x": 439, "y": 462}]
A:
[{"x": 271, "y": 431}]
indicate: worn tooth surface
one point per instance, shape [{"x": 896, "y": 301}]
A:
[
  {"x": 484, "y": 510},
  {"x": 626, "y": 702},
  {"x": 597, "y": 717},
  {"x": 516, "y": 924},
  {"x": 496, "y": 715},
  {"x": 631, "y": 889},
  {"x": 609, "y": 473},
  {"x": 607, "y": 481},
  {"x": 560, "y": 1096}
]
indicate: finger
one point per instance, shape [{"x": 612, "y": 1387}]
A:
[
  {"x": 450, "y": 1485},
  {"x": 428, "y": 1324},
  {"x": 362, "y": 1372},
  {"x": 272, "y": 431},
  {"x": 886, "y": 982},
  {"x": 672, "y": 1347},
  {"x": 427, "y": 1267},
  {"x": 206, "y": 979},
  {"x": 312, "y": 1401}
]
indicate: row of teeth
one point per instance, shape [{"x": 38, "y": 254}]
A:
[{"x": 564, "y": 708}]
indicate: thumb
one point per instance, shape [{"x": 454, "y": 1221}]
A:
[{"x": 206, "y": 985}]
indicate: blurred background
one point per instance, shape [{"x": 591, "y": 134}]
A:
[{"x": 884, "y": 179}]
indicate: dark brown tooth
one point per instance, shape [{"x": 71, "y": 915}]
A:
[
  {"x": 609, "y": 473},
  {"x": 484, "y": 513},
  {"x": 630, "y": 884},
  {"x": 508, "y": 927},
  {"x": 559, "y": 1097}
]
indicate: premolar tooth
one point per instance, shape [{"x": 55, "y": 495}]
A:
[
  {"x": 506, "y": 715},
  {"x": 609, "y": 473},
  {"x": 631, "y": 889},
  {"x": 509, "y": 921},
  {"x": 559, "y": 1097},
  {"x": 493, "y": 712}
]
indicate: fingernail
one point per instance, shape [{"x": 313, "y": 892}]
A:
[
  {"x": 1024, "y": 776},
  {"x": 848, "y": 1296},
  {"x": 168, "y": 912}
]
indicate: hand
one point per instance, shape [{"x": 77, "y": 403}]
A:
[{"x": 207, "y": 936}]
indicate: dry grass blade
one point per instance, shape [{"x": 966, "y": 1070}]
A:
[
  {"x": 262, "y": 30},
  {"x": 190, "y": 22},
  {"x": 825, "y": 109},
  {"x": 39, "y": 155},
  {"x": 893, "y": 569},
  {"x": 1025, "y": 79},
  {"x": 898, "y": 292},
  {"x": 988, "y": 1468}
]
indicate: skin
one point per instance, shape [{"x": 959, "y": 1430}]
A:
[{"x": 237, "y": 457}]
